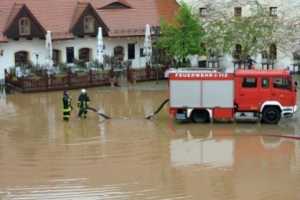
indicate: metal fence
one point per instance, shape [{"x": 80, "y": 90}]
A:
[{"x": 45, "y": 81}]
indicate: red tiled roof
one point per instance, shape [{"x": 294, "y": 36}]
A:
[
  {"x": 79, "y": 9},
  {"x": 14, "y": 11},
  {"x": 3, "y": 38},
  {"x": 167, "y": 9},
  {"x": 58, "y": 16}
]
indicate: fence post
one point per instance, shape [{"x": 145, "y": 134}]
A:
[
  {"x": 148, "y": 69},
  {"x": 112, "y": 76},
  {"x": 22, "y": 84},
  {"x": 69, "y": 77},
  {"x": 133, "y": 77},
  {"x": 47, "y": 79},
  {"x": 91, "y": 76},
  {"x": 128, "y": 72}
]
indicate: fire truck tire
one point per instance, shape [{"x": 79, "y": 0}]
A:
[
  {"x": 200, "y": 116},
  {"x": 271, "y": 115}
]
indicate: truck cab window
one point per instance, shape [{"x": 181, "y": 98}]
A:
[
  {"x": 265, "y": 82},
  {"x": 281, "y": 83},
  {"x": 249, "y": 82}
]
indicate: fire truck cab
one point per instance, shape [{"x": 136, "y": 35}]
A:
[{"x": 240, "y": 94}]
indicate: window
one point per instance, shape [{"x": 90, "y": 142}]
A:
[
  {"x": 282, "y": 83},
  {"x": 265, "y": 83},
  {"x": 70, "y": 54},
  {"x": 142, "y": 52},
  {"x": 273, "y": 52},
  {"x": 55, "y": 56},
  {"x": 88, "y": 24},
  {"x": 264, "y": 54},
  {"x": 131, "y": 51},
  {"x": 296, "y": 55},
  {"x": 273, "y": 11},
  {"x": 237, "y": 11},
  {"x": 212, "y": 52},
  {"x": 250, "y": 82},
  {"x": 24, "y": 26},
  {"x": 237, "y": 54},
  {"x": 202, "y": 12}
]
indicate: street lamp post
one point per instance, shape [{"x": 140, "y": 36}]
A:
[
  {"x": 156, "y": 31},
  {"x": 37, "y": 59}
]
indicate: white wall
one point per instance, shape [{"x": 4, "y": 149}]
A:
[{"x": 37, "y": 46}]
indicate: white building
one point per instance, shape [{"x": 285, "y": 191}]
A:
[
  {"x": 74, "y": 28},
  {"x": 287, "y": 37}
]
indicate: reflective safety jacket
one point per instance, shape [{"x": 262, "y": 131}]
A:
[
  {"x": 83, "y": 101},
  {"x": 67, "y": 106}
]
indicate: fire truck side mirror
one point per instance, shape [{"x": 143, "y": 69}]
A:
[{"x": 296, "y": 84}]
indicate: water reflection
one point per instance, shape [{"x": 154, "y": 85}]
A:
[
  {"x": 224, "y": 145},
  {"x": 206, "y": 151}
]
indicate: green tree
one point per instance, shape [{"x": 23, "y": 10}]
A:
[{"x": 183, "y": 36}]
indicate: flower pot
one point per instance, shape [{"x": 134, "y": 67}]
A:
[{"x": 112, "y": 82}]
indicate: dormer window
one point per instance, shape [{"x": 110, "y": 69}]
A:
[
  {"x": 89, "y": 24},
  {"x": 24, "y": 26}
]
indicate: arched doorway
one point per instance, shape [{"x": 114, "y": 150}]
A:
[
  {"x": 84, "y": 55},
  {"x": 21, "y": 58},
  {"x": 119, "y": 53},
  {"x": 56, "y": 56}
]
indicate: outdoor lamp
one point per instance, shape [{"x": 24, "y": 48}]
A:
[
  {"x": 37, "y": 58},
  {"x": 156, "y": 31}
]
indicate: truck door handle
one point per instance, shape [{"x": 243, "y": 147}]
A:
[
  {"x": 273, "y": 94},
  {"x": 242, "y": 94}
]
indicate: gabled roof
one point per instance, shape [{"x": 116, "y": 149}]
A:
[
  {"x": 78, "y": 13},
  {"x": 16, "y": 13},
  {"x": 117, "y": 4},
  {"x": 81, "y": 9},
  {"x": 121, "y": 17}
]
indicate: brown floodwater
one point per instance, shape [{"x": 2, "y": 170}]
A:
[{"x": 130, "y": 157}]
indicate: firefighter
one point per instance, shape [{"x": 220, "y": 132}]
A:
[
  {"x": 289, "y": 68},
  {"x": 83, "y": 103},
  {"x": 67, "y": 106},
  {"x": 250, "y": 62}
]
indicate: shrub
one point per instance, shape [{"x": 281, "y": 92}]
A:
[
  {"x": 36, "y": 78},
  {"x": 15, "y": 79}
]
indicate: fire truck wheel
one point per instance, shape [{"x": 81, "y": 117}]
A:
[
  {"x": 271, "y": 115},
  {"x": 200, "y": 116}
]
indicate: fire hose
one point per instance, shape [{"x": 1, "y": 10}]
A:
[
  {"x": 160, "y": 107},
  {"x": 107, "y": 117}
]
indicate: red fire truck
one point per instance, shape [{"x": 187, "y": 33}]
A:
[{"x": 241, "y": 94}]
